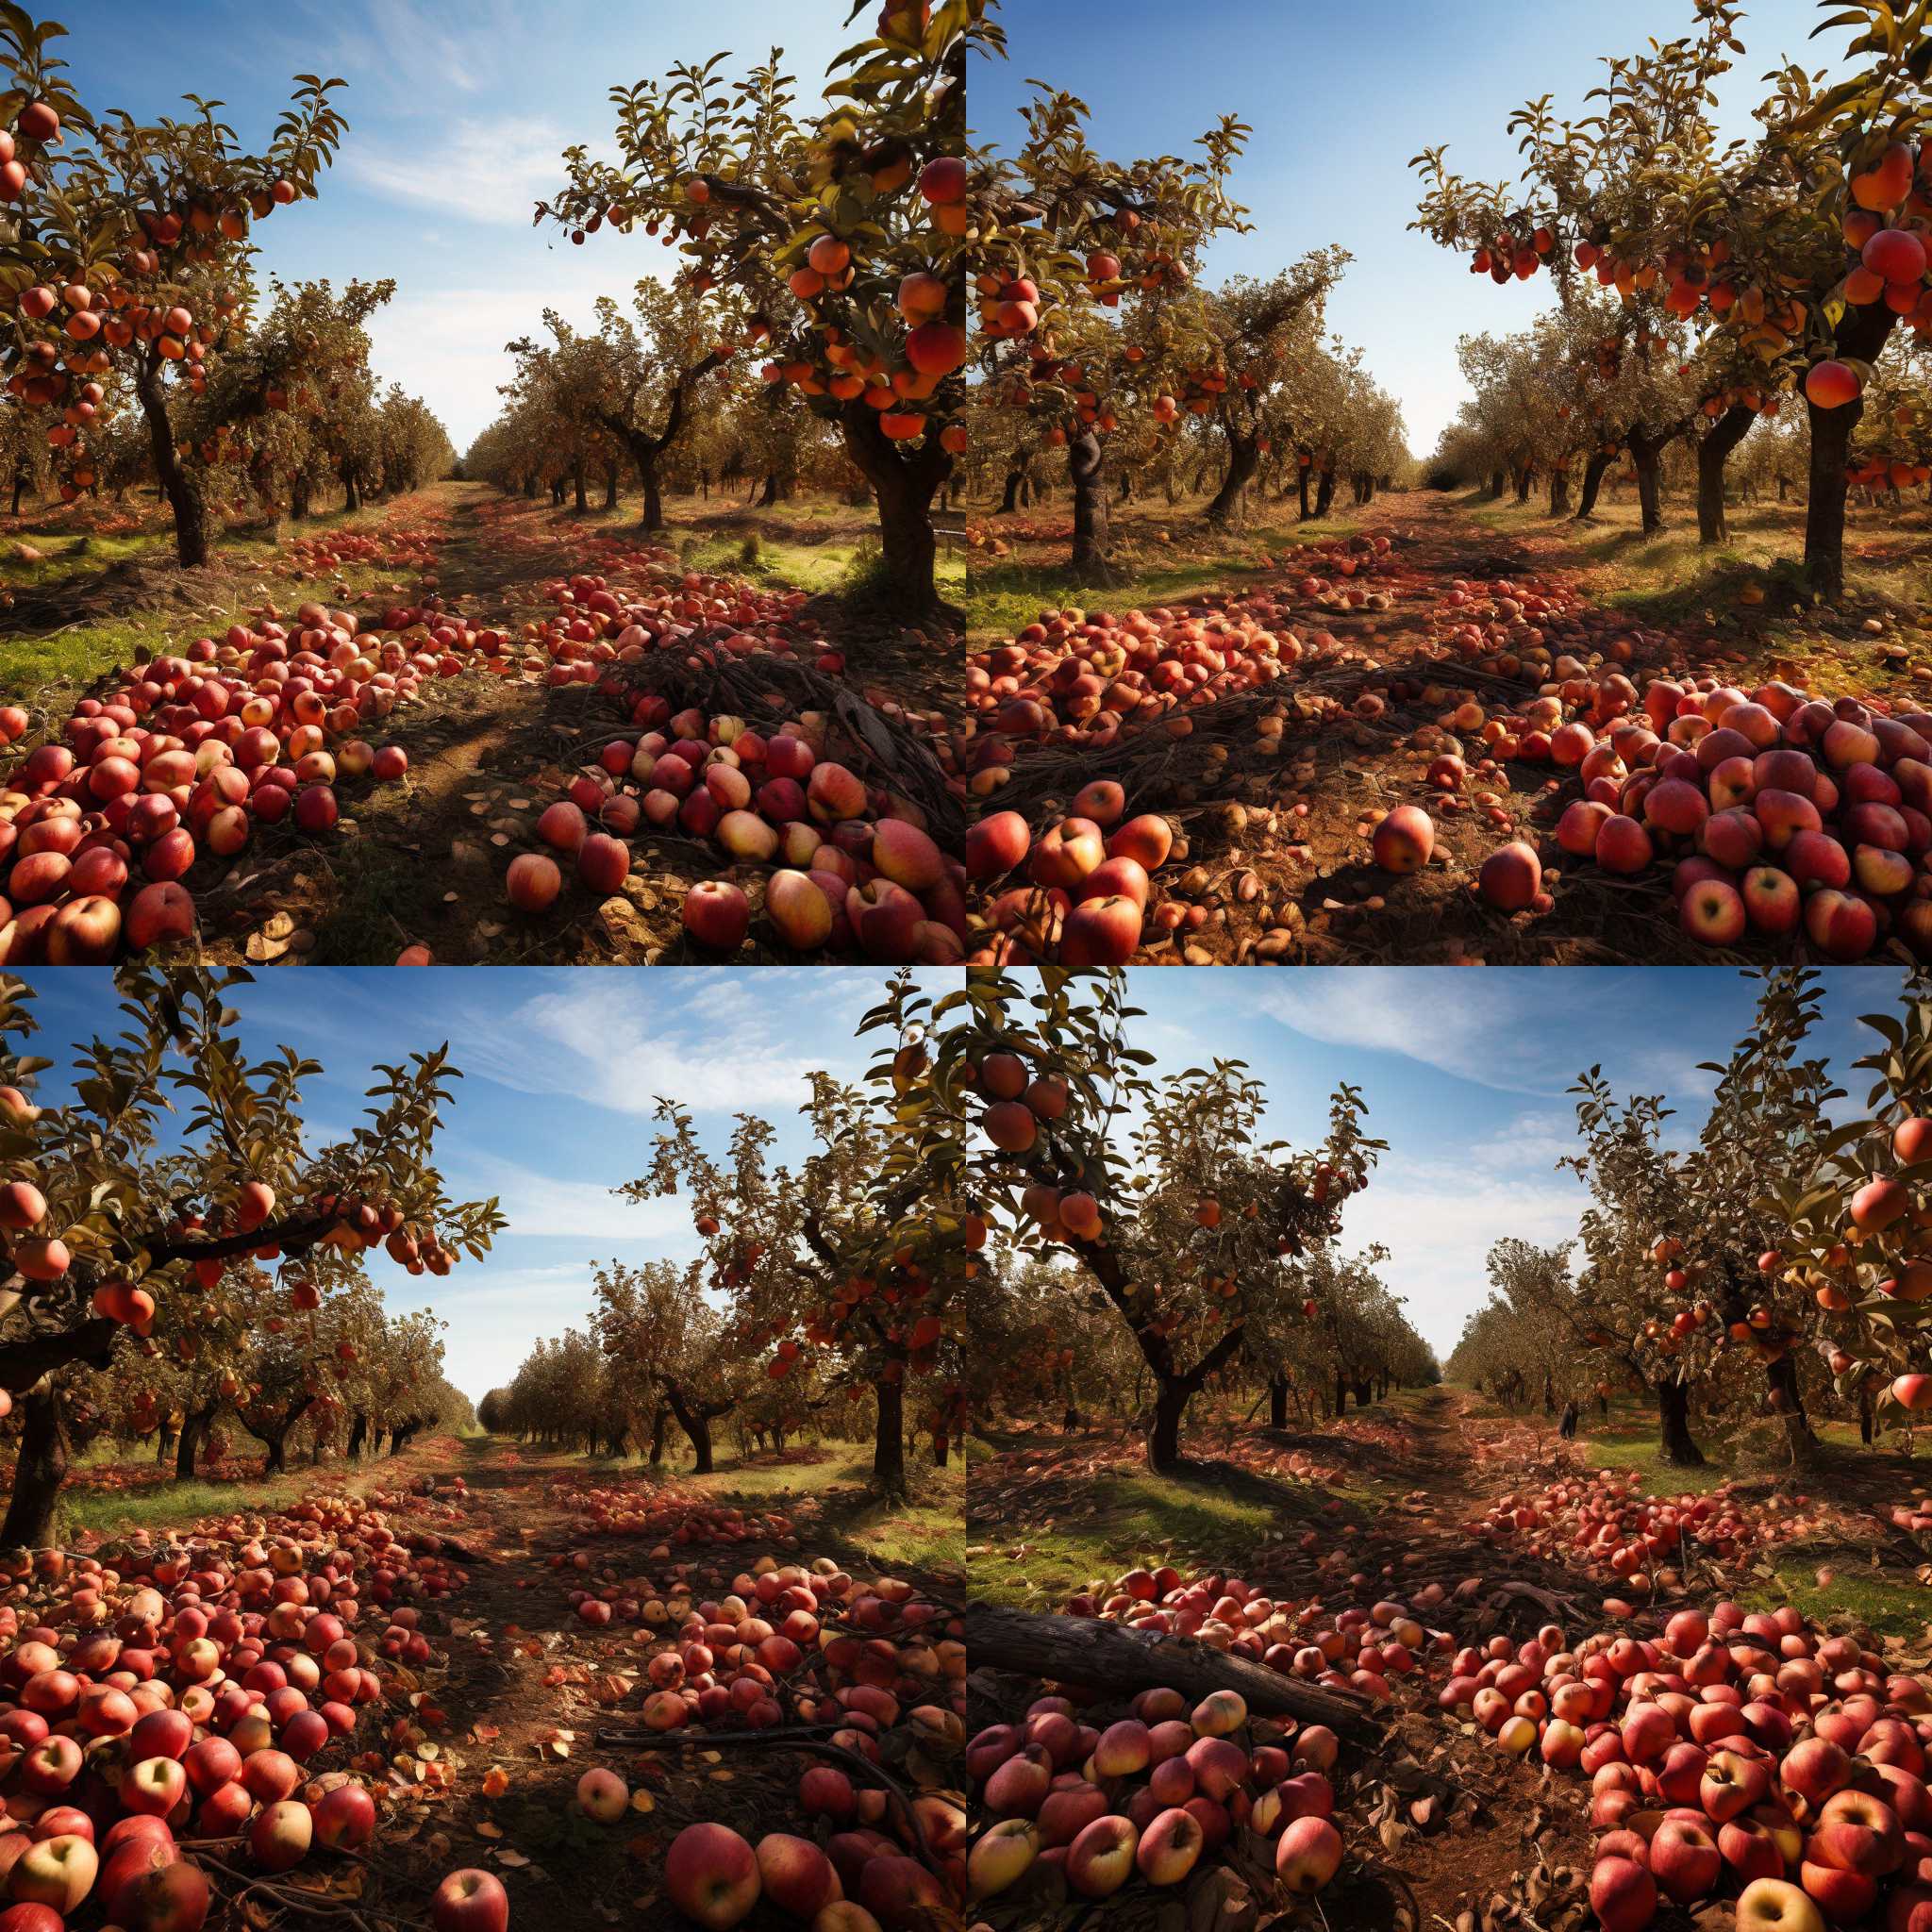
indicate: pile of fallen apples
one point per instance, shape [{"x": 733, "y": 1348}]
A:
[
  {"x": 796, "y": 1642},
  {"x": 1747, "y": 1757},
  {"x": 674, "y": 1516},
  {"x": 597, "y": 624},
  {"x": 158, "y": 1691},
  {"x": 1084, "y": 678},
  {"x": 1088, "y": 1806},
  {"x": 1775, "y": 808},
  {"x": 846, "y": 868},
  {"x": 1348, "y": 1649},
  {"x": 1608, "y": 1523},
  {"x": 1088, "y": 882},
  {"x": 183, "y": 760}
]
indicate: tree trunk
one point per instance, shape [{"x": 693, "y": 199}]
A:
[
  {"x": 278, "y": 1457},
  {"x": 1867, "y": 1424},
  {"x": 1646, "y": 453},
  {"x": 164, "y": 1443},
  {"x": 1086, "y": 466},
  {"x": 1674, "y": 1420},
  {"x": 1724, "y": 435},
  {"x": 1786, "y": 1400},
  {"x": 1244, "y": 458},
  {"x": 1277, "y": 1403},
  {"x": 352, "y": 489},
  {"x": 1163, "y": 1430},
  {"x": 184, "y": 499},
  {"x": 19, "y": 485},
  {"x": 38, "y": 1472},
  {"x": 888, "y": 1438},
  {"x": 1341, "y": 1393},
  {"x": 660, "y": 1418},
  {"x": 1094, "y": 1651},
  {"x": 610, "y": 489},
  {"x": 578, "y": 480},
  {"x": 1010, "y": 501},
  {"x": 358, "y": 1434},
  {"x": 941, "y": 1448},
  {"x": 1302, "y": 475},
  {"x": 1324, "y": 493},
  {"x": 1560, "y": 492},
  {"x": 1593, "y": 481},
  {"x": 904, "y": 479},
  {"x": 194, "y": 1430},
  {"x": 1862, "y": 335}
]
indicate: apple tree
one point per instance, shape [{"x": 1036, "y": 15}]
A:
[
  {"x": 1799, "y": 245},
  {"x": 856, "y": 1259},
  {"x": 1856, "y": 1220},
  {"x": 669, "y": 1348},
  {"x": 118, "y": 1220},
  {"x": 1088, "y": 310},
  {"x": 842, "y": 235},
  {"x": 1183, "y": 1221},
  {"x": 126, "y": 250}
]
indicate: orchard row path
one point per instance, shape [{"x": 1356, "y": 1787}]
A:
[
  {"x": 423, "y": 863},
  {"x": 514, "y": 1715}
]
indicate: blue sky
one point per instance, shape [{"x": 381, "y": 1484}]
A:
[
  {"x": 458, "y": 112},
  {"x": 1465, "y": 1073},
  {"x": 560, "y": 1073},
  {"x": 1339, "y": 98}
]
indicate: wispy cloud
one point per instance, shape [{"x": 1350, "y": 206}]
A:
[
  {"x": 1440, "y": 1214},
  {"x": 492, "y": 170},
  {"x": 1493, "y": 1031},
  {"x": 618, "y": 1041},
  {"x": 557, "y": 1207}
]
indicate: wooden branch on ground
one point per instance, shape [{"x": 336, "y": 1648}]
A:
[{"x": 1103, "y": 1655}]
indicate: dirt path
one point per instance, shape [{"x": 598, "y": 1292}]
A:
[
  {"x": 529, "y": 1686},
  {"x": 423, "y": 863}
]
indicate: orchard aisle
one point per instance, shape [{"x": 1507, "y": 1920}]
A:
[{"x": 532, "y": 1683}]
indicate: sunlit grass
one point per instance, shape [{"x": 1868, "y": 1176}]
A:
[
  {"x": 926, "y": 1531},
  {"x": 1159, "y": 556}
]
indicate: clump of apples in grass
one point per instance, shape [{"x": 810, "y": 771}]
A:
[
  {"x": 1751, "y": 1757},
  {"x": 184, "y": 761},
  {"x": 197, "y": 1687}
]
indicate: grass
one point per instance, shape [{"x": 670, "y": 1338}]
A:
[
  {"x": 1891, "y": 1604},
  {"x": 176, "y": 1505},
  {"x": 151, "y": 617},
  {"x": 1130, "y": 1515},
  {"x": 1670, "y": 579},
  {"x": 77, "y": 654},
  {"x": 924, "y": 1532},
  {"x": 1008, "y": 593}
]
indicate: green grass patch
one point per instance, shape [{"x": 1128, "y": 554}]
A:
[
  {"x": 1008, "y": 593},
  {"x": 1127, "y": 1518},
  {"x": 926, "y": 1531},
  {"x": 1889, "y": 1604}
]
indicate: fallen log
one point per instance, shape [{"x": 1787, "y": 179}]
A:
[{"x": 1103, "y": 1655}]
